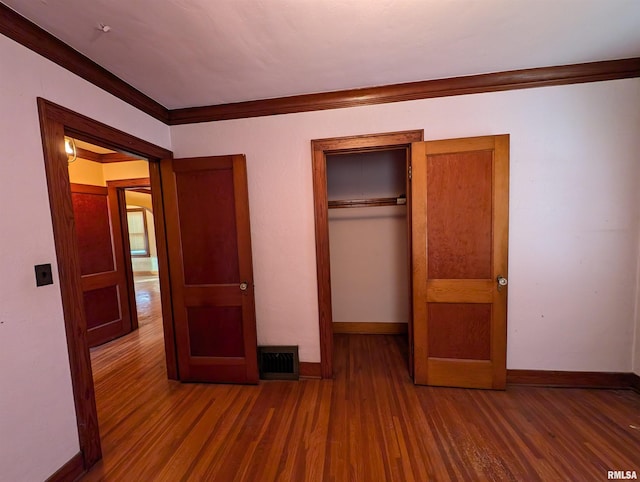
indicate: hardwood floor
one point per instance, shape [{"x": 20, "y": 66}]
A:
[{"x": 369, "y": 424}]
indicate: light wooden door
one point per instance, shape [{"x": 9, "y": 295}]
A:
[
  {"x": 460, "y": 196},
  {"x": 107, "y": 306},
  {"x": 208, "y": 237}
]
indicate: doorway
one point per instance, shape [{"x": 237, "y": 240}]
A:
[
  {"x": 138, "y": 220},
  {"x": 57, "y": 123},
  {"x": 368, "y": 241},
  {"x": 329, "y": 151},
  {"x": 185, "y": 192}
]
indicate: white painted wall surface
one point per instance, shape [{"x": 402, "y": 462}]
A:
[
  {"x": 636, "y": 341},
  {"x": 574, "y": 211},
  {"x": 38, "y": 431},
  {"x": 369, "y": 265}
]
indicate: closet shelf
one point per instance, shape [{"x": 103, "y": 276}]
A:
[{"x": 365, "y": 203}]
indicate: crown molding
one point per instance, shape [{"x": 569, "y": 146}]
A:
[
  {"x": 118, "y": 157},
  {"x": 88, "y": 155},
  {"x": 473, "y": 84},
  {"x": 25, "y": 32},
  {"x": 33, "y": 37},
  {"x": 105, "y": 158}
]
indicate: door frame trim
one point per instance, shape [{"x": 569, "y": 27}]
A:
[
  {"x": 115, "y": 191},
  {"x": 320, "y": 148},
  {"x": 56, "y": 122}
]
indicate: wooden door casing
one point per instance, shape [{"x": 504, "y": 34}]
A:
[
  {"x": 103, "y": 272},
  {"x": 208, "y": 235},
  {"x": 410, "y": 264},
  {"x": 56, "y": 122},
  {"x": 460, "y": 242},
  {"x": 117, "y": 200},
  {"x": 320, "y": 148}
]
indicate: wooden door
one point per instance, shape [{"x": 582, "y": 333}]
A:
[
  {"x": 107, "y": 306},
  {"x": 208, "y": 236},
  {"x": 460, "y": 192}
]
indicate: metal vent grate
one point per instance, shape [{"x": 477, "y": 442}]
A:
[{"x": 278, "y": 362}]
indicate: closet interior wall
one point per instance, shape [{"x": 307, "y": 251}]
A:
[{"x": 368, "y": 243}]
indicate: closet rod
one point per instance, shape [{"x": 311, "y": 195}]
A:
[{"x": 363, "y": 203}]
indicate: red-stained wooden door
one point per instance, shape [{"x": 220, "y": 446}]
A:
[
  {"x": 460, "y": 192},
  {"x": 102, "y": 264},
  {"x": 208, "y": 236}
]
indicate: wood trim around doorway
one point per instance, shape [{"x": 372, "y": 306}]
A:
[
  {"x": 320, "y": 148},
  {"x": 117, "y": 204},
  {"x": 144, "y": 184},
  {"x": 55, "y": 123}
]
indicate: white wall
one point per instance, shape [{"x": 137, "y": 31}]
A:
[
  {"x": 369, "y": 264},
  {"x": 38, "y": 431},
  {"x": 636, "y": 342},
  {"x": 574, "y": 210}
]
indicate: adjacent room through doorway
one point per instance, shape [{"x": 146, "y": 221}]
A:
[{"x": 113, "y": 211}]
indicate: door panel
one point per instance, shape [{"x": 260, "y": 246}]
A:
[
  {"x": 101, "y": 255},
  {"x": 215, "y": 331},
  {"x": 460, "y": 239},
  {"x": 91, "y": 213},
  {"x": 202, "y": 229},
  {"x": 101, "y": 306},
  {"x": 459, "y": 330},
  {"x": 208, "y": 235},
  {"x": 459, "y": 215}
]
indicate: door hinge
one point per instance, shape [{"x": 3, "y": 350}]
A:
[{"x": 409, "y": 173}]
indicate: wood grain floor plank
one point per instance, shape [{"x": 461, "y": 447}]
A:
[{"x": 371, "y": 423}]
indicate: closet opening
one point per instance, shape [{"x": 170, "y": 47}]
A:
[
  {"x": 362, "y": 198},
  {"x": 368, "y": 247}
]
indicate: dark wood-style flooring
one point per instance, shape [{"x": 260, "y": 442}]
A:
[{"x": 369, "y": 424}]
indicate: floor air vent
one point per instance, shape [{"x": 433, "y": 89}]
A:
[{"x": 278, "y": 362}]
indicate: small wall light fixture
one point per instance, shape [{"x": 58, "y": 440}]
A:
[{"x": 70, "y": 149}]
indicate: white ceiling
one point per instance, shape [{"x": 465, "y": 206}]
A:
[{"x": 185, "y": 53}]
